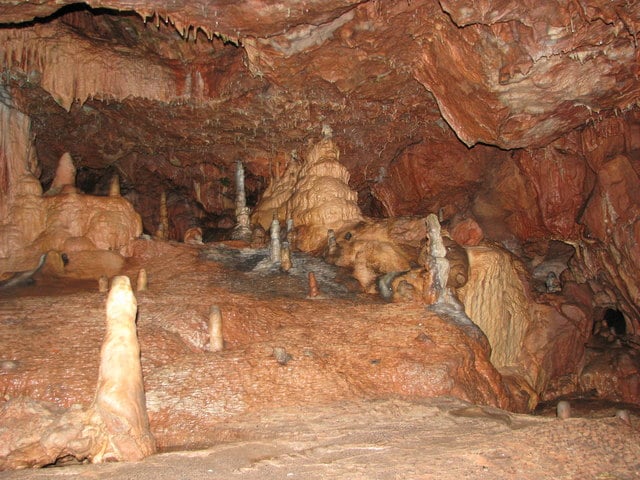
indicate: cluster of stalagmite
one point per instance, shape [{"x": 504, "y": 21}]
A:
[
  {"x": 315, "y": 195},
  {"x": 115, "y": 427},
  {"x": 322, "y": 198},
  {"x": 273, "y": 202},
  {"x": 94, "y": 233}
]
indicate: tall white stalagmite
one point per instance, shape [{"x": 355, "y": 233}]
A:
[
  {"x": 216, "y": 342},
  {"x": 120, "y": 402},
  {"x": 437, "y": 252},
  {"x": 242, "y": 230},
  {"x": 276, "y": 248},
  {"x": 241, "y": 199}
]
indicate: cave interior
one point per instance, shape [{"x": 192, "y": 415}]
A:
[{"x": 374, "y": 133}]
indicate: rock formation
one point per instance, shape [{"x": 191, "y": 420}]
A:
[
  {"x": 543, "y": 341},
  {"x": 114, "y": 428},
  {"x": 517, "y": 123},
  {"x": 321, "y": 199},
  {"x": 94, "y": 232},
  {"x": 65, "y": 176},
  {"x": 318, "y": 200},
  {"x": 274, "y": 199},
  {"x": 242, "y": 230}
]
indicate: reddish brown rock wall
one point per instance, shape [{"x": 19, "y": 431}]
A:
[{"x": 521, "y": 116}]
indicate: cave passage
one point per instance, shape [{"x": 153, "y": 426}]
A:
[{"x": 615, "y": 319}]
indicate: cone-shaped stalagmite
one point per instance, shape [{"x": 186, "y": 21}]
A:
[
  {"x": 314, "y": 290},
  {"x": 103, "y": 284},
  {"x": 65, "y": 174},
  {"x": 141, "y": 281},
  {"x": 285, "y": 257},
  {"x": 114, "y": 186},
  {"x": 120, "y": 399},
  {"x": 216, "y": 342}
]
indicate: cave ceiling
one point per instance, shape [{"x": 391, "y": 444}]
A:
[{"x": 174, "y": 93}]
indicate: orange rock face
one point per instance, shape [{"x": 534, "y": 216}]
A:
[{"x": 338, "y": 348}]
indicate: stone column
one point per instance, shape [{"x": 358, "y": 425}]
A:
[
  {"x": 276, "y": 249},
  {"x": 437, "y": 253},
  {"x": 242, "y": 230}
]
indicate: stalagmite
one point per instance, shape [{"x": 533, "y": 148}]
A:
[
  {"x": 103, "y": 284},
  {"x": 115, "y": 427},
  {"x": 314, "y": 291},
  {"x": 332, "y": 244},
  {"x": 120, "y": 405},
  {"x": 114, "y": 186},
  {"x": 216, "y": 342},
  {"x": 242, "y": 230},
  {"x": 276, "y": 249},
  {"x": 624, "y": 416},
  {"x": 141, "y": 281},
  {"x": 65, "y": 175},
  {"x": 241, "y": 199},
  {"x": 163, "y": 227},
  {"x": 437, "y": 253},
  {"x": 563, "y": 410},
  {"x": 258, "y": 237},
  {"x": 316, "y": 195},
  {"x": 285, "y": 263},
  {"x": 291, "y": 233}
]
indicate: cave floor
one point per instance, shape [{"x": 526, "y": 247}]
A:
[
  {"x": 348, "y": 401},
  {"x": 439, "y": 438}
]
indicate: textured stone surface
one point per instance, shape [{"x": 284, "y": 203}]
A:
[
  {"x": 341, "y": 348},
  {"x": 540, "y": 340},
  {"x": 515, "y": 122},
  {"x": 115, "y": 427},
  {"x": 435, "y": 438}
]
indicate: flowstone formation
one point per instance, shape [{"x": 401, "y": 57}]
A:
[
  {"x": 94, "y": 233},
  {"x": 318, "y": 200}
]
